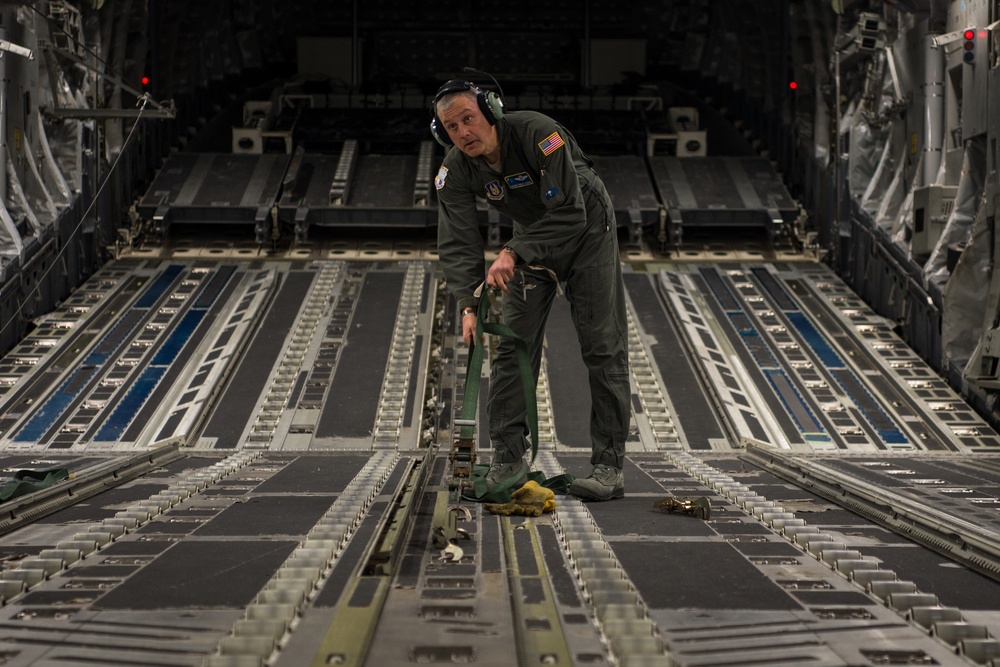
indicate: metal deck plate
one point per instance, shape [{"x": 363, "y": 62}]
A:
[{"x": 269, "y": 515}]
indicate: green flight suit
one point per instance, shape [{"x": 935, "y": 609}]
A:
[{"x": 564, "y": 222}]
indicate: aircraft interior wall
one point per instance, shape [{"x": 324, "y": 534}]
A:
[{"x": 204, "y": 204}]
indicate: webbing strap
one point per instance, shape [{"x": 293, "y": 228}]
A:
[
  {"x": 470, "y": 402},
  {"x": 27, "y": 481}
]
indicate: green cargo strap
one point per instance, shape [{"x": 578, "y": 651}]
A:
[
  {"x": 470, "y": 403},
  {"x": 27, "y": 481},
  {"x": 501, "y": 493}
]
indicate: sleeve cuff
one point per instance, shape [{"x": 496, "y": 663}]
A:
[{"x": 521, "y": 259}]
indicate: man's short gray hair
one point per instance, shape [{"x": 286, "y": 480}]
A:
[{"x": 449, "y": 99}]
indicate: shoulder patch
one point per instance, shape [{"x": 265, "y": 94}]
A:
[
  {"x": 550, "y": 143},
  {"x": 441, "y": 176}
]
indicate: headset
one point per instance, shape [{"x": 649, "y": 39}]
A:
[{"x": 490, "y": 103}]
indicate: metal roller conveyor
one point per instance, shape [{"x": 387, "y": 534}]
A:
[
  {"x": 307, "y": 514},
  {"x": 911, "y": 511}
]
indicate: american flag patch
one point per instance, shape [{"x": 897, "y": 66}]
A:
[{"x": 550, "y": 143}]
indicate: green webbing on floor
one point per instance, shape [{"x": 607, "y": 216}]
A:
[
  {"x": 470, "y": 403},
  {"x": 501, "y": 493},
  {"x": 27, "y": 481}
]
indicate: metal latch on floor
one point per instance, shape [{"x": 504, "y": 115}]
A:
[
  {"x": 445, "y": 532},
  {"x": 696, "y": 507}
]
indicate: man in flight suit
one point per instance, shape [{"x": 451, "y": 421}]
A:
[{"x": 531, "y": 169}]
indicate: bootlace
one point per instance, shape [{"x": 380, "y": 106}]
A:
[{"x": 604, "y": 473}]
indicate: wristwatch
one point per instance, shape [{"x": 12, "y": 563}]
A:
[
  {"x": 468, "y": 310},
  {"x": 510, "y": 251}
]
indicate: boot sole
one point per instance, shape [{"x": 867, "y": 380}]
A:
[{"x": 587, "y": 495}]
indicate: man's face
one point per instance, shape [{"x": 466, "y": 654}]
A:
[{"x": 467, "y": 126}]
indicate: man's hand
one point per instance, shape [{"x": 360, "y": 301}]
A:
[
  {"x": 502, "y": 271},
  {"x": 468, "y": 328}
]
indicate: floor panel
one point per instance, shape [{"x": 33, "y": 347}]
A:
[{"x": 309, "y": 405}]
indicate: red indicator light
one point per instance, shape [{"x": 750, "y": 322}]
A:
[
  {"x": 145, "y": 80},
  {"x": 969, "y": 57},
  {"x": 793, "y": 85}
]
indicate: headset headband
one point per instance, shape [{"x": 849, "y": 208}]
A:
[{"x": 455, "y": 86}]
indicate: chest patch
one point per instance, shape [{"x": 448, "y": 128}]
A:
[
  {"x": 520, "y": 180},
  {"x": 494, "y": 191}
]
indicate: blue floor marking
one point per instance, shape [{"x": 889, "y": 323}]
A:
[
  {"x": 156, "y": 290},
  {"x": 758, "y": 347},
  {"x": 815, "y": 340},
  {"x": 171, "y": 347},
  {"x": 139, "y": 392},
  {"x": 165, "y": 355},
  {"x": 830, "y": 358},
  {"x": 833, "y": 361},
  {"x": 130, "y": 404},
  {"x": 56, "y": 405}
]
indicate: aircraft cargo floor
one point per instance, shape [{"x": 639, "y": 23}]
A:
[{"x": 257, "y": 457}]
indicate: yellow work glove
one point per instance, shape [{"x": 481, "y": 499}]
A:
[{"x": 529, "y": 500}]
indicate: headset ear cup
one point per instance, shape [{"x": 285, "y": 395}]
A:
[
  {"x": 495, "y": 106},
  {"x": 491, "y": 105},
  {"x": 439, "y": 133}
]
